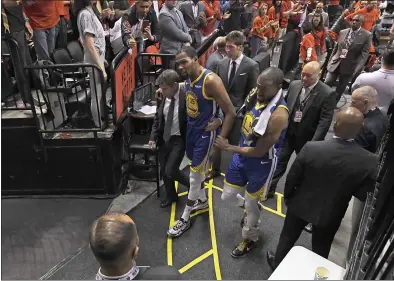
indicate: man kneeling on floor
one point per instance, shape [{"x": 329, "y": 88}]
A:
[
  {"x": 254, "y": 160},
  {"x": 114, "y": 242}
]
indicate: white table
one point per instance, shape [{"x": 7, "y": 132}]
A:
[{"x": 301, "y": 263}]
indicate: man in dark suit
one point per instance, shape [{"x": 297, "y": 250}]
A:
[
  {"x": 311, "y": 106},
  {"x": 239, "y": 75},
  {"x": 320, "y": 184},
  {"x": 194, "y": 15},
  {"x": 349, "y": 55},
  {"x": 174, "y": 31},
  {"x": 169, "y": 132}
]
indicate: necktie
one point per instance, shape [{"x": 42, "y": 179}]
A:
[
  {"x": 232, "y": 74},
  {"x": 170, "y": 119},
  {"x": 351, "y": 38}
]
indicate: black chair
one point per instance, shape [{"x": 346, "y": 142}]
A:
[
  {"x": 137, "y": 133},
  {"x": 76, "y": 51}
]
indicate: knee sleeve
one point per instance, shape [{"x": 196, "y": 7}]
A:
[
  {"x": 251, "y": 229},
  {"x": 229, "y": 193},
  {"x": 196, "y": 179}
]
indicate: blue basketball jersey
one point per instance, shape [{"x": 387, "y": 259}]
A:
[
  {"x": 250, "y": 120},
  {"x": 200, "y": 107}
]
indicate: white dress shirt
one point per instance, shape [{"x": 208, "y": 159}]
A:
[
  {"x": 304, "y": 94},
  {"x": 238, "y": 63},
  {"x": 175, "y": 131},
  {"x": 195, "y": 9}
]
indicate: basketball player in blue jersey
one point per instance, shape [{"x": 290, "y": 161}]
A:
[
  {"x": 204, "y": 93},
  {"x": 254, "y": 160}
]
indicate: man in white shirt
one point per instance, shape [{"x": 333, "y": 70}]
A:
[
  {"x": 169, "y": 132},
  {"x": 382, "y": 80}
]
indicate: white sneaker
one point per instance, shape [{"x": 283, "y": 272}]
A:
[
  {"x": 179, "y": 228},
  {"x": 199, "y": 205}
]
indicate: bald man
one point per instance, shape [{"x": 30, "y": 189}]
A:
[
  {"x": 375, "y": 122},
  {"x": 321, "y": 182},
  {"x": 114, "y": 242},
  {"x": 311, "y": 106}
]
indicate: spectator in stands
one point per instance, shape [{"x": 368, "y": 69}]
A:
[
  {"x": 349, "y": 55},
  {"x": 212, "y": 14},
  {"x": 239, "y": 75},
  {"x": 333, "y": 10},
  {"x": 382, "y": 80},
  {"x": 16, "y": 24},
  {"x": 139, "y": 23},
  {"x": 319, "y": 11},
  {"x": 311, "y": 106},
  {"x": 43, "y": 17},
  {"x": 319, "y": 33},
  {"x": 62, "y": 27},
  {"x": 220, "y": 53},
  {"x": 92, "y": 36},
  {"x": 232, "y": 12},
  {"x": 261, "y": 29},
  {"x": 174, "y": 31},
  {"x": 195, "y": 19},
  {"x": 307, "y": 48},
  {"x": 247, "y": 17},
  {"x": 370, "y": 14},
  {"x": 114, "y": 242},
  {"x": 279, "y": 13},
  {"x": 342, "y": 168},
  {"x": 120, "y": 7}
]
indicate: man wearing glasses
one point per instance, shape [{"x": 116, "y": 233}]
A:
[{"x": 349, "y": 55}]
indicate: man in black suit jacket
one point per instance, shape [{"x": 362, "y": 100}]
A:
[
  {"x": 239, "y": 75},
  {"x": 311, "y": 106},
  {"x": 169, "y": 133},
  {"x": 320, "y": 184}
]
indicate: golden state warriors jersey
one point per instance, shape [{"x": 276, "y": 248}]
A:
[{"x": 200, "y": 107}]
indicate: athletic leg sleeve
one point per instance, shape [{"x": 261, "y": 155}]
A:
[
  {"x": 251, "y": 229},
  {"x": 230, "y": 193},
  {"x": 196, "y": 179}
]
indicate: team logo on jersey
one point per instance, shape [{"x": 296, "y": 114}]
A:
[
  {"x": 192, "y": 104},
  {"x": 247, "y": 124}
]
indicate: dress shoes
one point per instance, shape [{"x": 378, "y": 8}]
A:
[
  {"x": 271, "y": 260},
  {"x": 308, "y": 228},
  {"x": 167, "y": 202}
]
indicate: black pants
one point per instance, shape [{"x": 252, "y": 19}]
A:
[
  {"x": 344, "y": 80},
  {"x": 170, "y": 156},
  {"x": 286, "y": 151},
  {"x": 322, "y": 237}
]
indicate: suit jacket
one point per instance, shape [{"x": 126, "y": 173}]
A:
[
  {"x": 375, "y": 126},
  {"x": 317, "y": 114},
  {"x": 357, "y": 53},
  {"x": 174, "y": 34},
  {"x": 244, "y": 81},
  {"x": 194, "y": 24},
  {"x": 159, "y": 121},
  {"x": 213, "y": 61},
  {"x": 324, "y": 177}
]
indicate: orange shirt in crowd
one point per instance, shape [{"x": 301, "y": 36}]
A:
[
  {"x": 257, "y": 4},
  {"x": 283, "y": 20},
  {"x": 43, "y": 14},
  {"x": 308, "y": 41},
  {"x": 63, "y": 9},
  {"x": 259, "y": 23},
  {"x": 320, "y": 40},
  {"x": 370, "y": 18},
  {"x": 131, "y": 2},
  {"x": 212, "y": 9}
]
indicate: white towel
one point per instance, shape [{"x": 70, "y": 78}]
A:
[{"x": 265, "y": 116}]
